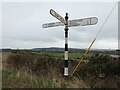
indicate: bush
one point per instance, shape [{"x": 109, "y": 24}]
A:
[
  {"x": 100, "y": 63},
  {"x": 34, "y": 63}
]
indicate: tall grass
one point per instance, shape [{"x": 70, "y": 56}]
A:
[
  {"x": 33, "y": 70},
  {"x": 28, "y": 70}
]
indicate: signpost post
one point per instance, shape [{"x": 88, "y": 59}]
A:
[
  {"x": 68, "y": 23},
  {"x": 66, "y": 46}
]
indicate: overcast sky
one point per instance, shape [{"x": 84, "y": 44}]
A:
[{"x": 22, "y": 25}]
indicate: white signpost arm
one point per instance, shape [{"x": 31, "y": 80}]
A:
[
  {"x": 73, "y": 23},
  {"x": 54, "y": 24},
  {"x": 56, "y": 15}
]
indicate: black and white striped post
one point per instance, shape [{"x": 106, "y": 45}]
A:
[{"x": 66, "y": 47}]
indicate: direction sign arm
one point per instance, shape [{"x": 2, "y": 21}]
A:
[
  {"x": 83, "y": 22},
  {"x": 56, "y": 15},
  {"x": 54, "y": 24}
]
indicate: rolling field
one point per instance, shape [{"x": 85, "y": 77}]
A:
[{"x": 70, "y": 55}]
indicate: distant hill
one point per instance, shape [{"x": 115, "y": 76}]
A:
[
  {"x": 58, "y": 50},
  {"x": 6, "y": 50},
  {"x": 75, "y": 50},
  {"x": 61, "y": 50}
]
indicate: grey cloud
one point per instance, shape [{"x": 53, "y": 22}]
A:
[{"x": 22, "y": 23}]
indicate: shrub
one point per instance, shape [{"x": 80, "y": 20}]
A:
[
  {"x": 100, "y": 63},
  {"x": 34, "y": 63}
]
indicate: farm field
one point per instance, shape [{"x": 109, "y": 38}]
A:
[{"x": 61, "y": 55}]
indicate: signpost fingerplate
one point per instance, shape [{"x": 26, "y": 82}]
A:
[
  {"x": 83, "y": 22},
  {"x": 73, "y": 23},
  {"x": 54, "y": 24},
  {"x": 56, "y": 15}
]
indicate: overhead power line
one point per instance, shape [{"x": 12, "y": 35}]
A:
[{"x": 106, "y": 20}]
